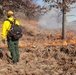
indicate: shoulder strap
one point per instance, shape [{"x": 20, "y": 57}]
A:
[{"x": 11, "y": 21}]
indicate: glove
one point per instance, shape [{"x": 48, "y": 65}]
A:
[{"x": 3, "y": 41}]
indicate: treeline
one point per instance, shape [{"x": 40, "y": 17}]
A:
[{"x": 28, "y": 7}]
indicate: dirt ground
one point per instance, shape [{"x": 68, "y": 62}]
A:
[{"x": 42, "y": 52}]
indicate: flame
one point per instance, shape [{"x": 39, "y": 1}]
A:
[
  {"x": 60, "y": 43},
  {"x": 51, "y": 43},
  {"x": 64, "y": 43},
  {"x": 69, "y": 40},
  {"x": 72, "y": 41},
  {"x": 56, "y": 41}
]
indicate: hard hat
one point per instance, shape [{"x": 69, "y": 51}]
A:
[{"x": 10, "y": 13}]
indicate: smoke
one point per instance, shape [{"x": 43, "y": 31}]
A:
[{"x": 51, "y": 20}]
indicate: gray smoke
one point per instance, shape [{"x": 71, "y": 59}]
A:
[{"x": 51, "y": 20}]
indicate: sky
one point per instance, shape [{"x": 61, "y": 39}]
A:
[
  {"x": 39, "y": 2},
  {"x": 71, "y": 16}
]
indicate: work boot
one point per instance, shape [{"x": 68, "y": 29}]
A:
[
  {"x": 14, "y": 62},
  {"x": 17, "y": 60}
]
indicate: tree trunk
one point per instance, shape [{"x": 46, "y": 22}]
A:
[{"x": 63, "y": 21}]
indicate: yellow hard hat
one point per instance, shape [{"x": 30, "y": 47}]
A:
[{"x": 10, "y": 13}]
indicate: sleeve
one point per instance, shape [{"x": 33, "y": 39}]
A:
[
  {"x": 17, "y": 22},
  {"x": 4, "y": 30}
]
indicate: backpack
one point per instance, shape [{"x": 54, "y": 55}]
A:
[{"x": 15, "y": 31}]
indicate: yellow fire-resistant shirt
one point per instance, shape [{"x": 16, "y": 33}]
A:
[{"x": 6, "y": 27}]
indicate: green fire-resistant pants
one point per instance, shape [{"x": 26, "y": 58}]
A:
[{"x": 13, "y": 48}]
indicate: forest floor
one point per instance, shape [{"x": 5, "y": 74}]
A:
[{"x": 42, "y": 52}]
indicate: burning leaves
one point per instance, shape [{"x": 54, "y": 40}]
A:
[
  {"x": 57, "y": 41},
  {"x": 50, "y": 40}
]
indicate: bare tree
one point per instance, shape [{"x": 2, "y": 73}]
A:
[{"x": 64, "y": 5}]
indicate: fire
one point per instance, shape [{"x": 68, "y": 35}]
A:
[
  {"x": 72, "y": 41},
  {"x": 60, "y": 43},
  {"x": 69, "y": 40},
  {"x": 55, "y": 41},
  {"x": 64, "y": 42},
  {"x": 51, "y": 43}
]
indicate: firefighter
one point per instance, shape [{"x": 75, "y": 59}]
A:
[{"x": 12, "y": 44}]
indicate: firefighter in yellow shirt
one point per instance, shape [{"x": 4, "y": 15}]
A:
[{"x": 12, "y": 44}]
